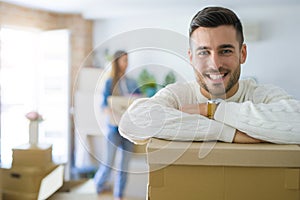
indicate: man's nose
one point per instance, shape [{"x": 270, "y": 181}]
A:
[{"x": 216, "y": 61}]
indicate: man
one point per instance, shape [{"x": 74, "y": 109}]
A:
[{"x": 244, "y": 111}]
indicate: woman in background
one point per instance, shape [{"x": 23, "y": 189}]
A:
[{"x": 117, "y": 85}]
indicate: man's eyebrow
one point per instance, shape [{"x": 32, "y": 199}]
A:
[
  {"x": 202, "y": 48},
  {"x": 224, "y": 46}
]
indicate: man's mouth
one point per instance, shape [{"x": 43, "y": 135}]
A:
[{"x": 216, "y": 77}]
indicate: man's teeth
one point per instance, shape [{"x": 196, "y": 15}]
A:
[{"x": 216, "y": 76}]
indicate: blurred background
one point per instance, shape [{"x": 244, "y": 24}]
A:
[{"x": 55, "y": 55}]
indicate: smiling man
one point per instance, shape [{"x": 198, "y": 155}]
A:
[
  {"x": 217, "y": 106},
  {"x": 216, "y": 54}
]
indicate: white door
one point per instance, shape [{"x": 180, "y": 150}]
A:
[{"x": 35, "y": 76}]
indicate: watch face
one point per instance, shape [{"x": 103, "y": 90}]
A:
[{"x": 214, "y": 101}]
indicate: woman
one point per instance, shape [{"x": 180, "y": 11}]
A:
[{"x": 117, "y": 85}]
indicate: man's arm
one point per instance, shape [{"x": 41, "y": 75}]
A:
[
  {"x": 276, "y": 122},
  {"x": 160, "y": 117},
  {"x": 241, "y": 137},
  {"x": 201, "y": 109}
]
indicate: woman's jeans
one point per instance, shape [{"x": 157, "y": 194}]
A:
[{"x": 114, "y": 141}]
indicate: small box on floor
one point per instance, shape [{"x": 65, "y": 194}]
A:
[
  {"x": 32, "y": 175},
  {"x": 223, "y": 171}
]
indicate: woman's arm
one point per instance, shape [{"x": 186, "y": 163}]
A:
[{"x": 106, "y": 92}]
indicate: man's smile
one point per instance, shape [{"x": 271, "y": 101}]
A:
[{"x": 216, "y": 77}]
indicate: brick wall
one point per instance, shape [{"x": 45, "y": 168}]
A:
[{"x": 81, "y": 29}]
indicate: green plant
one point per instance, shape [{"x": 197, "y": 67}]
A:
[
  {"x": 170, "y": 78},
  {"x": 146, "y": 81},
  {"x": 148, "y": 84}
]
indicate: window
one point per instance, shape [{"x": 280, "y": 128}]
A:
[{"x": 35, "y": 76}]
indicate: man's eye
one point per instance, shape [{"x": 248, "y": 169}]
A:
[
  {"x": 203, "y": 53},
  {"x": 226, "y": 51}
]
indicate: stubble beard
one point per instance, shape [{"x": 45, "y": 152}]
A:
[{"x": 219, "y": 90}]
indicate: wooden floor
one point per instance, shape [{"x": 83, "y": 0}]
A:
[{"x": 83, "y": 190}]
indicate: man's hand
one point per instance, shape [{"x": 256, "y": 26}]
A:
[
  {"x": 241, "y": 137},
  {"x": 200, "y": 109}
]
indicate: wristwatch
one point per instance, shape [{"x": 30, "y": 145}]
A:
[{"x": 212, "y": 105}]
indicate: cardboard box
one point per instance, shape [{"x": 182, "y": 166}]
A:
[
  {"x": 118, "y": 106},
  {"x": 27, "y": 155},
  {"x": 31, "y": 183},
  {"x": 24, "y": 179},
  {"x": 32, "y": 175},
  {"x": 227, "y": 172}
]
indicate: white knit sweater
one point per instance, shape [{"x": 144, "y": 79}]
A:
[{"x": 262, "y": 111}]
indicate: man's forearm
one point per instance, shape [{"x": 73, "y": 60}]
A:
[
  {"x": 145, "y": 118},
  {"x": 201, "y": 109},
  {"x": 241, "y": 137},
  {"x": 274, "y": 122}
]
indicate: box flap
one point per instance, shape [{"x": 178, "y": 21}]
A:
[
  {"x": 165, "y": 152},
  {"x": 30, "y": 147}
]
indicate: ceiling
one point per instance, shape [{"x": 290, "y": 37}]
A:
[{"x": 99, "y": 9}]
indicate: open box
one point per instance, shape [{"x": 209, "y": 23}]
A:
[
  {"x": 32, "y": 175},
  {"x": 225, "y": 172}
]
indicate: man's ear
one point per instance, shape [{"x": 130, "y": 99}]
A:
[
  {"x": 243, "y": 54},
  {"x": 190, "y": 55}
]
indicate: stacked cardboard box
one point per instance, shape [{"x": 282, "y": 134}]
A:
[
  {"x": 32, "y": 175},
  {"x": 222, "y": 171}
]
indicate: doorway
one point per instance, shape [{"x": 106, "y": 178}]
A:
[{"x": 34, "y": 76}]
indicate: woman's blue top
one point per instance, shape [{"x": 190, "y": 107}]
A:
[{"x": 132, "y": 88}]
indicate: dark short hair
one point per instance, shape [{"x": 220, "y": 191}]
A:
[{"x": 217, "y": 16}]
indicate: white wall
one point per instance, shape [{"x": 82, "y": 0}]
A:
[
  {"x": 122, "y": 34},
  {"x": 273, "y": 58}
]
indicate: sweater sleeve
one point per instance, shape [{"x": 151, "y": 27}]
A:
[
  {"x": 159, "y": 117},
  {"x": 276, "y": 122}
]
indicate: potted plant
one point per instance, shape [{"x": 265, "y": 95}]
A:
[{"x": 147, "y": 83}]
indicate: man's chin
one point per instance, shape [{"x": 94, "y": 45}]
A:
[{"x": 217, "y": 93}]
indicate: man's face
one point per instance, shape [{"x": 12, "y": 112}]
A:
[{"x": 216, "y": 57}]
